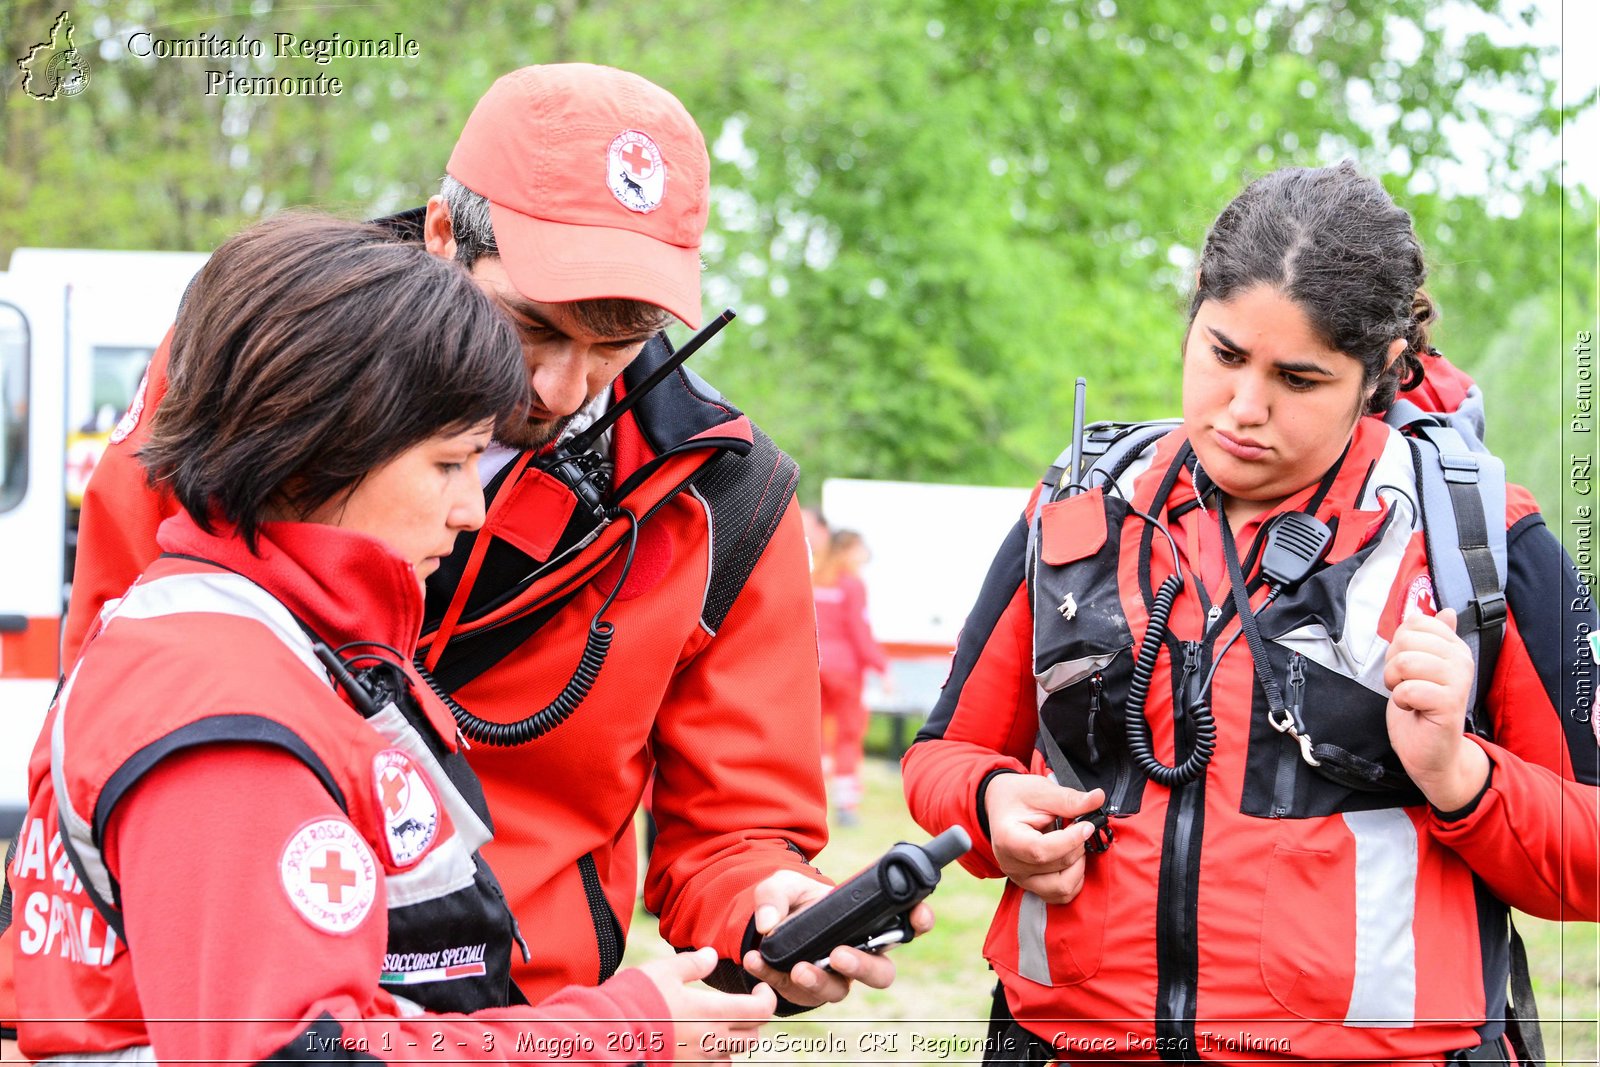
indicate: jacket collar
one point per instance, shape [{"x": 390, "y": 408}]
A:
[{"x": 345, "y": 586}]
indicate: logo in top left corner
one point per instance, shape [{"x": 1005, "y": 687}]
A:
[{"x": 55, "y": 68}]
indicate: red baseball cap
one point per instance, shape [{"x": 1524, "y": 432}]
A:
[{"x": 598, "y": 185}]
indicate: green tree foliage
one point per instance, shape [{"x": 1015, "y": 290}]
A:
[{"x": 932, "y": 214}]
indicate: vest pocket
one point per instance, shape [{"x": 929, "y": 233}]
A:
[
  {"x": 1052, "y": 944},
  {"x": 1087, "y": 720},
  {"x": 1346, "y": 722},
  {"x": 1307, "y": 936},
  {"x": 1083, "y": 653}
]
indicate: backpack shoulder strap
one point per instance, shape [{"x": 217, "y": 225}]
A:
[
  {"x": 1463, "y": 500},
  {"x": 1463, "y": 491},
  {"x": 1109, "y": 449},
  {"x": 746, "y": 496}
]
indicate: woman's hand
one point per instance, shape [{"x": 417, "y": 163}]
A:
[
  {"x": 1023, "y": 810},
  {"x": 710, "y": 1025},
  {"x": 784, "y": 893},
  {"x": 1429, "y": 672}
]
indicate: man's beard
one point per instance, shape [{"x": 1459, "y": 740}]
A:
[{"x": 529, "y": 435}]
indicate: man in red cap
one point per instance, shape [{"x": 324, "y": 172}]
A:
[{"x": 641, "y": 629}]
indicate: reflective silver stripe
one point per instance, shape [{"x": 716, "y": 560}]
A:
[
  {"x": 393, "y": 725},
  {"x": 75, "y": 828},
  {"x": 1033, "y": 963},
  {"x": 218, "y": 594},
  {"x": 178, "y": 594},
  {"x": 136, "y": 1054},
  {"x": 1385, "y": 988},
  {"x": 448, "y": 867}
]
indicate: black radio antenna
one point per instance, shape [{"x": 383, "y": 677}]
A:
[
  {"x": 581, "y": 442},
  {"x": 1074, "y": 486}
]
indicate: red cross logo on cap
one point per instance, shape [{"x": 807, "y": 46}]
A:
[
  {"x": 333, "y": 877},
  {"x": 636, "y": 172},
  {"x": 638, "y": 161}
]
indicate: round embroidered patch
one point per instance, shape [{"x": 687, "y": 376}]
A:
[
  {"x": 329, "y": 874},
  {"x": 1419, "y": 597},
  {"x": 410, "y": 810},
  {"x": 635, "y": 171},
  {"x": 130, "y": 418}
]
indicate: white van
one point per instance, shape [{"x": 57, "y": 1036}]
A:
[{"x": 77, "y": 328}]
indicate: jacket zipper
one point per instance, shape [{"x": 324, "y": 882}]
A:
[
  {"x": 1289, "y": 755},
  {"x": 1191, "y": 665},
  {"x": 1177, "y": 948},
  {"x": 1095, "y": 686},
  {"x": 1117, "y": 796}
]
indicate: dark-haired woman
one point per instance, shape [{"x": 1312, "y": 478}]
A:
[
  {"x": 251, "y": 835},
  {"x": 1311, "y": 843}
]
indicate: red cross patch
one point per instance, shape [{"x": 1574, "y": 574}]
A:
[
  {"x": 329, "y": 875},
  {"x": 410, "y": 809},
  {"x": 638, "y": 161}
]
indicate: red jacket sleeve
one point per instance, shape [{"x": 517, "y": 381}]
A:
[
  {"x": 228, "y": 971},
  {"x": 117, "y": 524},
  {"x": 1531, "y": 838},
  {"x": 1534, "y": 835},
  {"x": 986, "y": 718},
  {"x": 738, "y": 790}
]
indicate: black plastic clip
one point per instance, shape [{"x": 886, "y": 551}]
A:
[{"x": 1103, "y": 834}]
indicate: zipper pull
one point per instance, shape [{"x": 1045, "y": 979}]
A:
[
  {"x": 1297, "y": 686},
  {"x": 1191, "y": 665},
  {"x": 1213, "y": 613},
  {"x": 1095, "y": 686},
  {"x": 1292, "y": 724}
]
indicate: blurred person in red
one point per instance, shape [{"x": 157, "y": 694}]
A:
[{"x": 847, "y": 651}]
